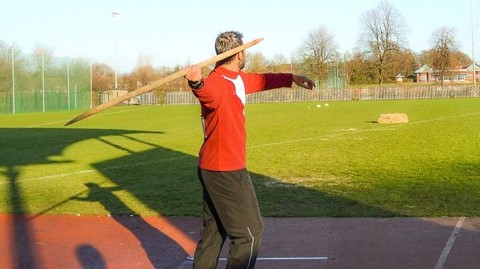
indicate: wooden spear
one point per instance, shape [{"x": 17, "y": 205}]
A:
[{"x": 160, "y": 82}]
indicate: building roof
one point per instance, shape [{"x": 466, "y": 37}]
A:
[
  {"x": 470, "y": 68},
  {"x": 424, "y": 69}
]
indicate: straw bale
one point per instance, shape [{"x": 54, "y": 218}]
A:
[{"x": 393, "y": 118}]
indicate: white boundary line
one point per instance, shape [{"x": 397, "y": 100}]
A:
[
  {"x": 327, "y": 137},
  {"x": 66, "y": 120},
  {"x": 286, "y": 258},
  {"x": 86, "y": 171},
  {"x": 448, "y": 246},
  {"x": 320, "y": 258}
]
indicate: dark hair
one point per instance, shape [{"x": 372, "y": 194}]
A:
[{"x": 226, "y": 41}]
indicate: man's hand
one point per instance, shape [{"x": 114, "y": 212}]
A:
[
  {"x": 303, "y": 82},
  {"x": 194, "y": 73}
]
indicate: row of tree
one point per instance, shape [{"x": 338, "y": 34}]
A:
[
  {"x": 381, "y": 54},
  {"x": 40, "y": 69}
]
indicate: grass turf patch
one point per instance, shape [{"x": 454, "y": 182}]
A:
[{"x": 306, "y": 160}]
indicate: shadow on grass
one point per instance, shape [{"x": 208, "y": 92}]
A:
[
  {"x": 170, "y": 187},
  {"x": 32, "y": 146},
  {"x": 161, "y": 179}
]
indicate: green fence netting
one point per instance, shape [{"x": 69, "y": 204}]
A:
[{"x": 41, "y": 83}]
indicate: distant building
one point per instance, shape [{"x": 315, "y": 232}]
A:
[
  {"x": 399, "y": 78},
  {"x": 426, "y": 74}
]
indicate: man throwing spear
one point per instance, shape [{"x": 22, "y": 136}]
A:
[{"x": 230, "y": 206}]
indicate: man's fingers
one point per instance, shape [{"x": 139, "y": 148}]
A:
[{"x": 194, "y": 73}]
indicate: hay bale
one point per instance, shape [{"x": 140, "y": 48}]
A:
[{"x": 393, "y": 118}]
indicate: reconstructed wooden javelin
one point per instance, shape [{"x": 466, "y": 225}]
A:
[{"x": 160, "y": 82}]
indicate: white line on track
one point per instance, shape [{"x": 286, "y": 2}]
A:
[
  {"x": 448, "y": 246},
  {"x": 286, "y": 259},
  {"x": 320, "y": 258}
]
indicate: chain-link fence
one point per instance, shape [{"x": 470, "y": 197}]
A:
[
  {"x": 41, "y": 83},
  {"x": 368, "y": 93}
]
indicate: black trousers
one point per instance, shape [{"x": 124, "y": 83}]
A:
[{"x": 230, "y": 209}]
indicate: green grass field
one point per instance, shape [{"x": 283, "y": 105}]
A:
[{"x": 306, "y": 161}]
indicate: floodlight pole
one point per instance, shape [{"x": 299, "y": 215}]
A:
[
  {"x": 114, "y": 15},
  {"x": 473, "y": 48}
]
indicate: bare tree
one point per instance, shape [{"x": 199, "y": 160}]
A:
[
  {"x": 256, "y": 62},
  {"x": 144, "y": 73},
  {"x": 383, "y": 34},
  {"x": 318, "y": 51},
  {"x": 102, "y": 77},
  {"x": 443, "y": 48},
  {"x": 403, "y": 62},
  {"x": 5, "y": 66},
  {"x": 357, "y": 69},
  {"x": 278, "y": 63},
  {"x": 459, "y": 58},
  {"x": 43, "y": 56}
]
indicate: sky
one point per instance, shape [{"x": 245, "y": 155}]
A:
[{"x": 183, "y": 31}]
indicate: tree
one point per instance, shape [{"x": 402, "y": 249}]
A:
[
  {"x": 5, "y": 67},
  {"x": 458, "y": 58},
  {"x": 443, "y": 48},
  {"x": 43, "y": 57},
  {"x": 382, "y": 36},
  {"x": 102, "y": 77},
  {"x": 256, "y": 62},
  {"x": 144, "y": 72},
  {"x": 357, "y": 69},
  {"x": 278, "y": 63},
  {"x": 404, "y": 62},
  {"x": 318, "y": 51}
]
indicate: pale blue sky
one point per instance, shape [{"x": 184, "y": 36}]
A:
[{"x": 181, "y": 32}]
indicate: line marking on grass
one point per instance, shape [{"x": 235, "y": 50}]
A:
[
  {"x": 356, "y": 131},
  {"x": 448, "y": 246},
  {"x": 86, "y": 171},
  {"x": 66, "y": 120},
  {"x": 445, "y": 118},
  {"x": 99, "y": 115},
  {"x": 46, "y": 123},
  {"x": 324, "y": 137}
]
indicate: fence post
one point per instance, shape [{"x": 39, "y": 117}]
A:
[{"x": 13, "y": 80}]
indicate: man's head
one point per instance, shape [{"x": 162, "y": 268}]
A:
[{"x": 229, "y": 40}]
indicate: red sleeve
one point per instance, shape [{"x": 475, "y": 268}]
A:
[
  {"x": 261, "y": 82},
  {"x": 210, "y": 93}
]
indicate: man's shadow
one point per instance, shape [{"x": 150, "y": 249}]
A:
[
  {"x": 90, "y": 257},
  {"x": 24, "y": 147},
  {"x": 152, "y": 240}
]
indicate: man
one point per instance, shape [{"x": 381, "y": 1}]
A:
[{"x": 230, "y": 204}]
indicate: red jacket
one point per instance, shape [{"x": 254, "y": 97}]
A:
[{"x": 222, "y": 100}]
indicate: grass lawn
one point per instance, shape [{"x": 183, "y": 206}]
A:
[{"x": 306, "y": 160}]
